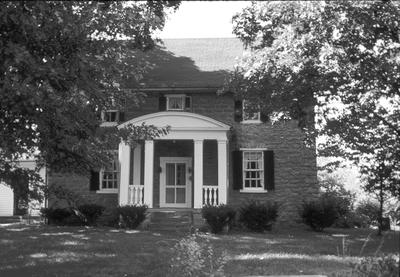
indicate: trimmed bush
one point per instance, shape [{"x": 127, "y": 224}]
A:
[
  {"x": 110, "y": 217},
  {"x": 91, "y": 212},
  {"x": 258, "y": 216},
  {"x": 319, "y": 214},
  {"x": 218, "y": 217},
  {"x": 60, "y": 216},
  {"x": 132, "y": 216}
]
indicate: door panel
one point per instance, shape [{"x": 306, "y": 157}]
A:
[{"x": 175, "y": 185}]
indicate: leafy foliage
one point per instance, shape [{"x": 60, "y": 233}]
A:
[
  {"x": 258, "y": 216},
  {"x": 195, "y": 256},
  {"x": 370, "y": 210},
  {"x": 132, "y": 216},
  {"x": 61, "y": 64},
  {"x": 382, "y": 266},
  {"x": 110, "y": 217},
  {"x": 342, "y": 57},
  {"x": 218, "y": 217},
  {"x": 319, "y": 214},
  {"x": 333, "y": 190},
  {"x": 61, "y": 216},
  {"x": 91, "y": 212}
]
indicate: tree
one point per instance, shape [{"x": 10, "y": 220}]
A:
[
  {"x": 61, "y": 64},
  {"x": 341, "y": 57}
]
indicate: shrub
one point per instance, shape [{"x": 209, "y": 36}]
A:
[
  {"x": 319, "y": 214},
  {"x": 218, "y": 217},
  {"x": 370, "y": 210},
  {"x": 60, "y": 216},
  {"x": 377, "y": 266},
  {"x": 258, "y": 216},
  {"x": 91, "y": 212},
  {"x": 333, "y": 190},
  {"x": 110, "y": 217},
  {"x": 195, "y": 256},
  {"x": 351, "y": 220},
  {"x": 132, "y": 216}
]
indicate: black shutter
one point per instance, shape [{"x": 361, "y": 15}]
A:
[
  {"x": 188, "y": 103},
  {"x": 269, "y": 183},
  {"x": 94, "y": 180},
  {"x": 162, "y": 103},
  {"x": 237, "y": 170},
  {"x": 121, "y": 116},
  {"x": 238, "y": 113}
]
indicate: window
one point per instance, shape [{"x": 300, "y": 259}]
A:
[
  {"x": 110, "y": 116},
  {"x": 109, "y": 176},
  {"x": 250, "y": 114},
  {"x": 178, "y": 102},
  {"x": 253, "y": 170}
]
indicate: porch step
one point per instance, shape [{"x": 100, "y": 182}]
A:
[{"x": 171, "y": 221}]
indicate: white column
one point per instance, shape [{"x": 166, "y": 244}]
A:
[
  {"x": 148, "y": 172},
  {"x": 222, "y": 171},
  {"x": 137, "y": 164},
  {"x": 198, "y": 174},
  {"x": 124, "y": 160}
]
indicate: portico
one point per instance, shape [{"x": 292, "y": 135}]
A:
[{"x": 172, "y": 173}]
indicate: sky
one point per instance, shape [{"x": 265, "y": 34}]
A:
[{"x": 202, "y": 19}]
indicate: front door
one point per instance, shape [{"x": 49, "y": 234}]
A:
[{"x": 175, "y": 184}]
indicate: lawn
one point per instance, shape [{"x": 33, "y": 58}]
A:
[{"x": 40, "y": 250}]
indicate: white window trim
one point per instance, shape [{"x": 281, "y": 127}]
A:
[
  {"x": 253, "y": 190},
  {"x": 102, "y": 190},
  {"x": 182, "y": 96},
  {"x": 250, "y": 121}
]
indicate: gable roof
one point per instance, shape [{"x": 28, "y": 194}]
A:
[{"x": 191, "y": 63}]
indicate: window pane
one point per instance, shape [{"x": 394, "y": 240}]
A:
[
  {"x": 175, "y": 103},
  {"x": 180, "y": 175},
  {"x": 170, "y": 195},
  {"x": 253, "y": 169},
  {"x": 180, "y": 195},
  {"x": 170, "y": 171}
]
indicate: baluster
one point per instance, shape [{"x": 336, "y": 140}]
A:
[
  {"x": 130, "y": 195},
  {"x": 216, "y": 196},
  {"x": 141, "y": 194}
]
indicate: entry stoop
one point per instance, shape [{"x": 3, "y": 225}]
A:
[{"x": 171, "y": 220}]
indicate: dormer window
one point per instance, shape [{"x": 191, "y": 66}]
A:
[
  {"x": 110, "y": 116},
  {"x": 250, "y": 114},
  {"x": 178, "y": 102}
]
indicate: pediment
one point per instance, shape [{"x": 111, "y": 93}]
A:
[{"x": 178, "y": 121}]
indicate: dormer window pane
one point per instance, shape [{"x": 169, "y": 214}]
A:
[
  {"x": 175, "y": 103},
  {"x": 110, "y": 116},
  {"x": 250, "y": 113}
]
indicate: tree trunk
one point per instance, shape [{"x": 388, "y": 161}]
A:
[{"x": 380, "y": 217}]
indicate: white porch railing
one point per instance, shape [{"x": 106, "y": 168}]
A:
[
  {"x": 210, "y": 195},
  {"x": 135, "y": 194}
]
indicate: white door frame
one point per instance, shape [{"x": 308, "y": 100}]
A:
[{"x": 188, "y": 162}]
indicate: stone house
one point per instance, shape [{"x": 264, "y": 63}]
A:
[{"x": 216, "y": 151}]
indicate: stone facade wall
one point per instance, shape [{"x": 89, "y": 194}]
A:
[{"x": 295, "y": 165}]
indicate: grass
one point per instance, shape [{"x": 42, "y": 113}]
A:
[{"x": 40, "y": 250}]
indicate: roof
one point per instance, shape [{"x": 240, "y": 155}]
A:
[{"x": 191, "y": 63}]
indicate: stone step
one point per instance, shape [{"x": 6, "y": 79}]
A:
[{"x": 176, "y": 221}]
